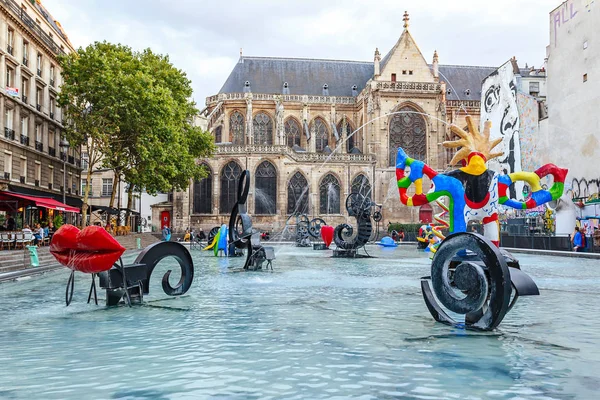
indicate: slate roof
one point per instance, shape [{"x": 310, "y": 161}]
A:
[
  {"x": 304, "y": 76},
  {"x": 459, "y": 78},
  {"x": 307, "y": 77}
]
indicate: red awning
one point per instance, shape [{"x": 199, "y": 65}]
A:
[{"x": 45, "y": 202}]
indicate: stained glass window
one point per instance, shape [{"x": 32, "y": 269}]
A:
[
  {"x": 349, "y": 130},
  {"x": 292, "y": 132},
  {"x": 321, "y": 134},
  {"x": 329, "y": 195},
  {"x": 262, "y": 129},
  {"x": 361, "y": 184},
  {"x": 230, "y": 175},
  {"x": 265, "y": 192},
  {"x": 407, "y": 131},
  {"x": 218, "y": 134},
  {"x": 203, "y": 194},
  {"x": 237, "y": 127},
  {"x": 297, "y": 192}
]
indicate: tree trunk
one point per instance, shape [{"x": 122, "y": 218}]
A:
[
  {"x": 113, "y": 195},
  {"x": 129, "y": 201},
  {"x": 86, "y": 195}
]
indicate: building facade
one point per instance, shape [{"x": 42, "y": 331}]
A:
[
  {"x": 573, "y": 89},
  {"x": 30, "y": 154},
  {"x": 313, "y": 131}
]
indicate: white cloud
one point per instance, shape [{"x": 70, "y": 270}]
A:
[{"x": 203, "y": 38}]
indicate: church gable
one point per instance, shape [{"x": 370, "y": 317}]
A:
[{"x": 405, "y": 61}]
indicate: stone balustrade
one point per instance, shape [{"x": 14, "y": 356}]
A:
[
  {"x": 223, "y": 149},
  {"x": 283, "y": 97}
]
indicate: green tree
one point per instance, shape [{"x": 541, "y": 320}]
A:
[{"x": 133, "y": 112}]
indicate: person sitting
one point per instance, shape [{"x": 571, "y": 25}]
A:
[
  {"x": 201, "y": 236},
  {"x": 401, "y": 235},
  {"x": 38, "y": 235},
  {"x": 577, "y": 240},
  {"x": 187, "y": 236}
]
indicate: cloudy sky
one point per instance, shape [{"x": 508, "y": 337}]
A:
[{"x": 204, "y": 37}]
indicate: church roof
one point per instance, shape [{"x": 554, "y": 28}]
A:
[
  {"x": 463, "y": 82},
  {"x": 303, "y": 75},
  {"x": 307, "y": 76}
]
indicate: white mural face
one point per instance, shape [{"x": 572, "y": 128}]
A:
[{"x": 499, "y": 105}]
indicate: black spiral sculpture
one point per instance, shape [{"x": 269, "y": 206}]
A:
[
  {"x": 302, "y": 231},
  {"x": 358, "y": 206},
  {"x": 240, "y": 227},
  {"x": 133, "y": 280},
  {"x": 472, "y": 277}
]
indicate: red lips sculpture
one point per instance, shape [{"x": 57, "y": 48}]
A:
[
  {"x": 91, "y": 250},
  {"x": 327, "y": 234}
]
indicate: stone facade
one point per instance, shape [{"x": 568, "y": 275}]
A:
[
  {"x": 30, "y": 155},
  {"x": 336, "y": 123}
]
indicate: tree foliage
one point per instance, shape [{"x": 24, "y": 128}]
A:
[{"x": 134, "y": 110}]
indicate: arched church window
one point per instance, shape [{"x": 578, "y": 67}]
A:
[
  {"x": 321, "y": 134},
  {"x": 203, "y": 193},
  {"x": 297, "y": 195},
  {"x": 219, "y": 134},
  {"x": 407, "y": 130},
  {"x": 237, "y": 127},
  {"x": 230, "y": 175},
  {"x": 292, "y": 132},
  {"x": 349, "y": 130},
  {"x": 361, "y": 185},
  {"x": 262, "y": 129},
  {"x": 265, "y": 192},
  {"x": 329, "y": 195}
]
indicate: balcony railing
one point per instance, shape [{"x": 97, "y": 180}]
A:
[
  {"x": 25, "y": 61},
  {"x": 24, "y": 99},
  {"x": 25, "y": 140},
  {"x": 69, "y": 190},
  {"x": 52, "y": 82},
  {"x": 51, "y": 115},
  {"x": 7, "y": 175},
  {"x": 63, "y": 156},
  {"x": 71, "y": 160},
  {"x": 33, "y": 27},
  {"x": 37, "y": 182},
  {"x": 9, "y": 49},
  {"x": 62, "y": 189},
  {"x": 39, "y": 146},
  {"x": 22, "y": 179},
  {"x": 39, "y": 72},
  {"x": 52, "y": 151},
  {"x": 50, "y": 186},
  {"x": 9, "y": 133},
  {"x": 38, "y": 107},
  {"x": 78, "y": 162}
]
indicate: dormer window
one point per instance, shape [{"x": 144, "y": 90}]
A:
[
  {"x": 354, "y": 90},
  {"x": 448, "y": 91},
  {"x": 467, "y": 92},
  {"x": 247, "y": 88},
  {"x": 286, "y": 88},
  {"x": 325, "y": 90}
]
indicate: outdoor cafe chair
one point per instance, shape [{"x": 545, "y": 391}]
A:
[
  {"x": 5, "y": 240},
  {"x": 27, "y": 238},
  {"x": 19, "y": 239}
]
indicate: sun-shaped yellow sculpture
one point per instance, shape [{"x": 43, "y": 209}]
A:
[{"x": 472, "y": 141}]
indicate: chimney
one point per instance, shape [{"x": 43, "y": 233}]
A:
[
  {"x": 436, "y": 70},
  {"x": 376, "y": 62}
]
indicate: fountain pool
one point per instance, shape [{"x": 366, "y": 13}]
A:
[{"x": 316, "y": 327}]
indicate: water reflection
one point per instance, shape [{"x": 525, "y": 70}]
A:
[{"x": 314, "y": 328}]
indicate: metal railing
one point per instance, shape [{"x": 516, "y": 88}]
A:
[
  {"x": 9, "y": 133},
  {"x": 38, "y": 107},
  {"x": 52, "y": 151},
  {"x": 25, "y": 140},
  {"x": 39, "y": 146},
  {"x": 71, "y": 160},
  {"x": 39, "y": 72},
  {"x": 24, "y": 98},
  {"x": 7, "y": 175},
  {"x": 25, "y": 61},
  {"x": 31, "y": 24},
  {"x": 9, "y": 49}
]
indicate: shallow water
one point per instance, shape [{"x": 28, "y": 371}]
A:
[{"x": 314, "y": 328}]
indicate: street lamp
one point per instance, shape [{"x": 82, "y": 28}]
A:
[{"x": 64, "y": 146}]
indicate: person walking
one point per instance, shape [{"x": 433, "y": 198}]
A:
[
  {"x": 166, "y": 234},
  {"x": 577, "y": 240}
]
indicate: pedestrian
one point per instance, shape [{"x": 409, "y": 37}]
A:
[
  {"x": 10, "y": 224},
  {"x": 201, "y": 235},
  {"x": 577, "y": 240},
  {"x": 38, "y": 235},
  {"x": 166, "y": 233},
  {"x": 401, "y": 235}
]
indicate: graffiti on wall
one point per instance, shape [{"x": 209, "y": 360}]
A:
[
  {"x": 528, "y": 132},
  {"x": 584, "y": 189},
  {"x": 562, "y": 16},
  {"x": 499, "y": 105}
]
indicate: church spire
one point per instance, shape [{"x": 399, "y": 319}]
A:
[
  {"x": 376, "y": 61},
  {"x": 406, "y": 19}
]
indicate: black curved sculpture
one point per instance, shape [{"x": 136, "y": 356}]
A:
[
  {"x": 132, "y": 281},
  {"x": 212, "y": 233},
  {"x": 472, "y": 277},
  {"x": 240, "y": 229},
  {"x": 358, "y": 206},
  {"x": 302, "y": 231}
]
